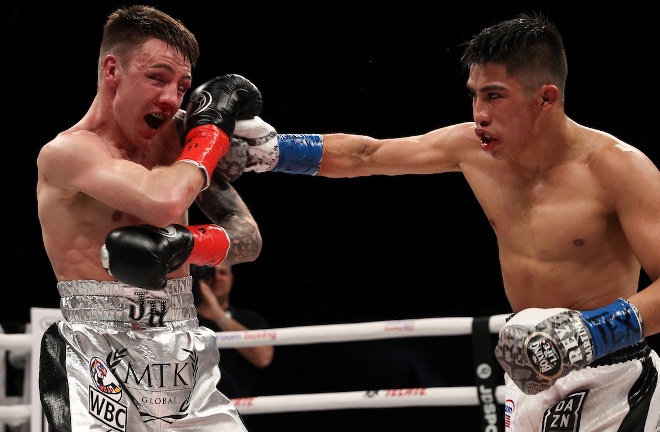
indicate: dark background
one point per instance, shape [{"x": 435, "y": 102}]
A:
[{"x": 335, "y": 250}]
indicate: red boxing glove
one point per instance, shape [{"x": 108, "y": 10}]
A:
[{"x": 211, "y": 244}]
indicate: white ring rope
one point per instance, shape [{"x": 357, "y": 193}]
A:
[
  {"x": 14, "y": 415},
  {"x": 319, "y": 333},
  {"x": 16, "y": 342},
  {"x": 436, "y": 396},
  {"x": 355, "y": 332},
  {"x": 432, "y": 396}
]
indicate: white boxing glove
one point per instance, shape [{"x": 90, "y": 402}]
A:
[
  {"x": 261, "y": 138},
  {"x": 253, "y": 148},
  {"x": 256, "y": 146},
  {"x": 536, "y": 347}
]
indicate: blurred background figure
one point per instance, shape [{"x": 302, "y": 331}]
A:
[{"x": 239, "y": 367}]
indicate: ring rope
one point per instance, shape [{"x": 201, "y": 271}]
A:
[
  {"x": 319, "y": 333},
  {"x": 354, "y": 332},
  {"x": 16, "y": 342},
  {"x": 14, "y": 415},
  {"x": 434, "y": 396}
]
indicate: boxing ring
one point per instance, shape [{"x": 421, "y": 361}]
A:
[{"x": 25, "y": 411}]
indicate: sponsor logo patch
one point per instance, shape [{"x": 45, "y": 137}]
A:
[
  {"x": 565, "y": 415},
  {"x": 543, "y": 355},
  {"x": 509, "y": 409},
  {"x": 104, "y": 396}
]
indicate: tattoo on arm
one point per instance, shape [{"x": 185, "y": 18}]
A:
[{"x": 223, "y": 206}]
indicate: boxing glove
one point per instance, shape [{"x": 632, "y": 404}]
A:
[
  {"x": 536, "y": 347},
  {"x": 256, "y": 146},
  {"x": 211, "y": 115},
  {"x": 143, "y": 255},
  {"x": 253, "y": 148}
]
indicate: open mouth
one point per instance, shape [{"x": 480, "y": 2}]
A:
[
  {"x": 154, "y": 120},
  {"x": 486, "y": 141}
]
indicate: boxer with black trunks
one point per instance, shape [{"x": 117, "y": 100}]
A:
[
  {"x": 575, "y": 211},
  {"x": 130, "y": 355}
]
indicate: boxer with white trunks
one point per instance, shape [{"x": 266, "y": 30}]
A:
[
  {"x": 130, "y": 359},
  {"x": 113, "y": 194},
  {"x": 565, "y": 370},
  {"x": 574, "y": 211}
]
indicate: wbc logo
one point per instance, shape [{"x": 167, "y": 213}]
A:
[{"x": 104, "y": 396}]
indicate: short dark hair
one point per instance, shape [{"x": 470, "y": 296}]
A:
[
  {"x": 530, "y": 46},
  {"x": 128, "y": 27}
]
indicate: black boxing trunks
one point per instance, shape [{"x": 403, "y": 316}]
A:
[{"x": 134, "y": 360}]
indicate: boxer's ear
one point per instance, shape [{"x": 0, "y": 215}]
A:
[{"x": 549, "y": 95}]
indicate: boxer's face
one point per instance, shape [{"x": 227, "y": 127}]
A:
[
  {"x": 150, "y": 88},
  {"x": 503, "y": 110}
]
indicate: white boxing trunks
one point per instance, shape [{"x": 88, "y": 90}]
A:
[
  {"x": 619, "y": 393},
  {"x": 134, "y": 360}
]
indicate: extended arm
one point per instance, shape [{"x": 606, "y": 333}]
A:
[{"x": 256, "y": 146}]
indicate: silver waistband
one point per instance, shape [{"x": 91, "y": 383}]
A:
[{"x": 122, "y": 305}]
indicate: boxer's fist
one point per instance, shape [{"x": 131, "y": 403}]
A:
[
  {"x": 143, "y": 255},
  {"x": 221, "y": 101},
  {"x": 256, "y": 146},
  {"x": 253, "y": 148},
  {"x": 537, "y": 347},
  {"x": 211, "y": 116}
]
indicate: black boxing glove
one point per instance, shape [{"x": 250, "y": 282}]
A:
[
  {"x": 211, "y": 116},
  {"x": 143, "y": 255}
]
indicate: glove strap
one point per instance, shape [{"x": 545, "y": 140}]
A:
[
  {"x": 299, "y": 153},
  {"x": 211, "y": 244},
  {"x": 203, "y": 147},
  {"x": 613, "y": 327}
]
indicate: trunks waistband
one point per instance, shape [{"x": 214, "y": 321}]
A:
[
  {"x": 121, "y": 305},
  {"x": 639, "y": 351}
]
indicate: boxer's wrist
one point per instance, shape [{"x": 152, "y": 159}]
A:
[
  {"x": 211, "y": 244},
  {"x": 613, "y": 327},
  {"x": 299, "y": 153},
  {"x": 204, "y": 146}
]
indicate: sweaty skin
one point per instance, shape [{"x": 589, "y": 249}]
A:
[{"x": 575, "y": 210}]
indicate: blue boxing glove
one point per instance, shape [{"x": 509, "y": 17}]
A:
[
  {"x": 256, "y": 146},
  {"x": 536, "y": 347}
]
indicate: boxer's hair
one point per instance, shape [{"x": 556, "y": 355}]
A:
[
  {"x": 128, "y": 27},
  {"x": 530, "y": 46}
]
